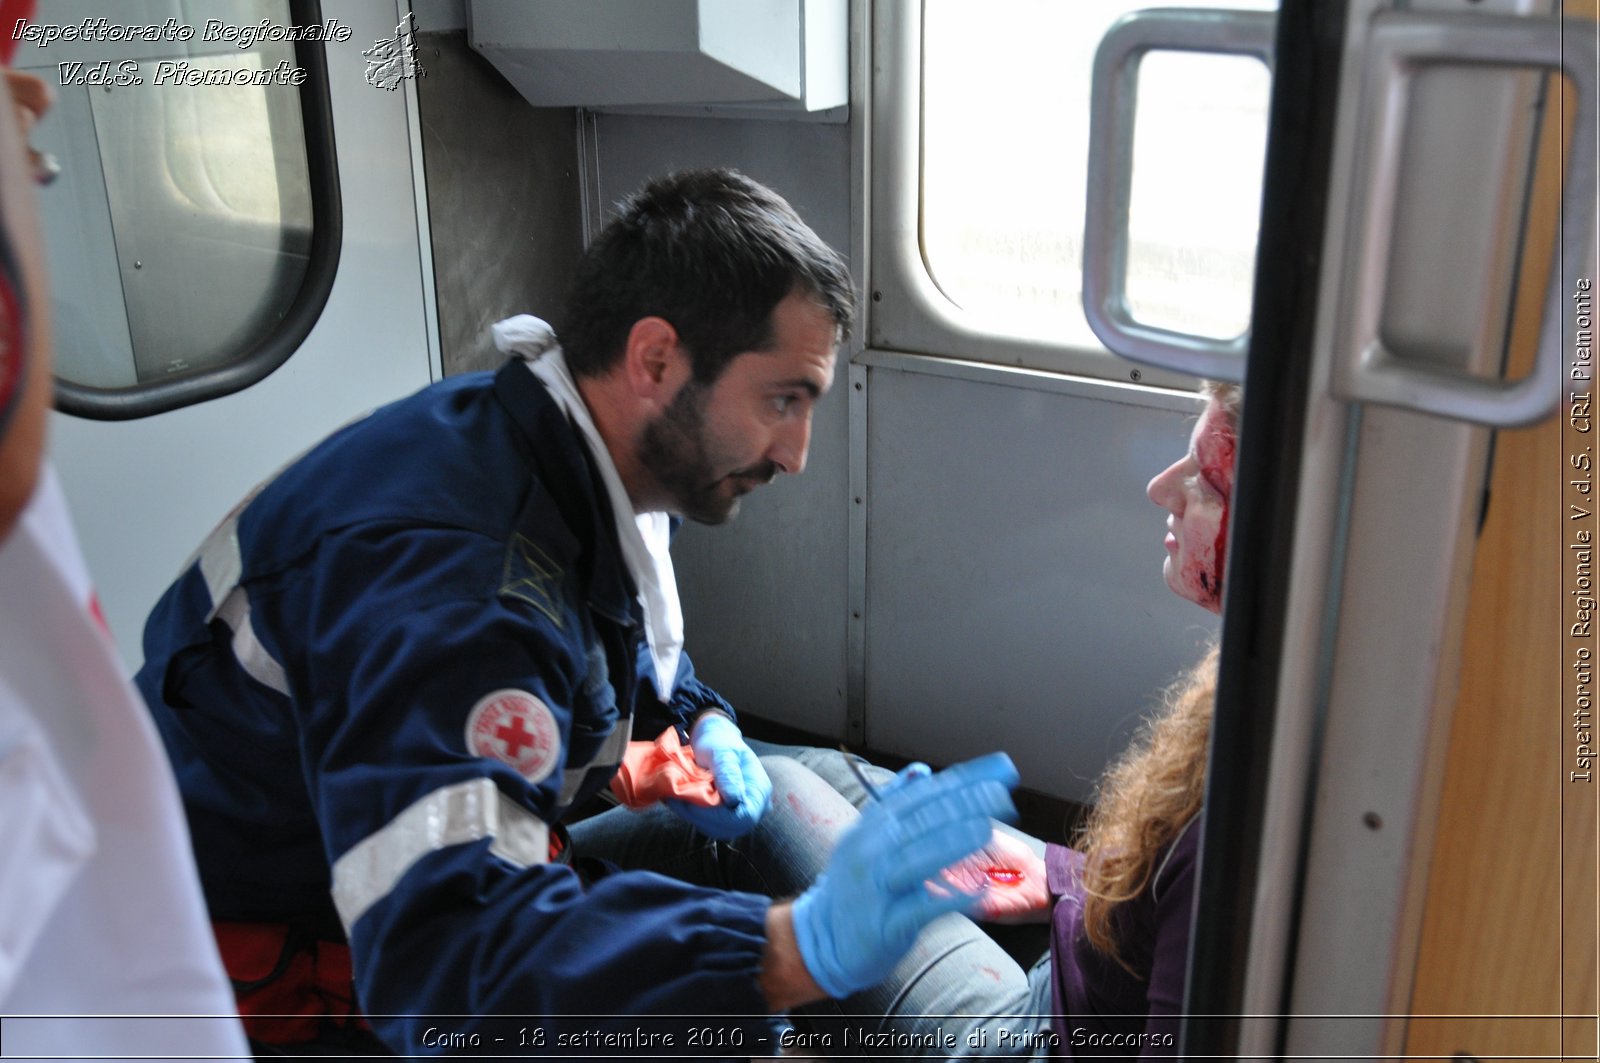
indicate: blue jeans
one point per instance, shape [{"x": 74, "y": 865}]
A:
[{"x": 957, "y": 994}]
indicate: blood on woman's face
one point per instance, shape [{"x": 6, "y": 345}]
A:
[{"x": 1195, "y": 491}]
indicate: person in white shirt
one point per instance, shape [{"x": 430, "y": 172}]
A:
[{"x": 105, "y": 950}]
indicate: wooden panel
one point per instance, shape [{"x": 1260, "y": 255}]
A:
[{"x": 1508, "y": 940}]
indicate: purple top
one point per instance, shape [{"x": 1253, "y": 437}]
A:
[{"x": 1099, "y": 1008}]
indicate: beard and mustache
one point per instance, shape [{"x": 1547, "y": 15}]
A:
[{"x": 677, "y": 452}]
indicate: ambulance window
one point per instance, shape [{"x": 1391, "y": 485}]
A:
[
  {"x": 193, "y": 230},
  {"x": 996, "y": 193}
]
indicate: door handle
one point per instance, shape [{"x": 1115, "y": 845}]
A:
[
  {"x": 1365, "y": 368},
  {"x": 1112, "y": 99}
]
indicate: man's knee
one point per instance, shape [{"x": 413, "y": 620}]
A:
[
  {"x": 789, "y": 775},
  {"x": 798, "y": 793},
  {"x": 834, "y": 768}
]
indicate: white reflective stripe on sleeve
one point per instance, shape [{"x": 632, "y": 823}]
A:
[
  {"x": 220, "y": 561},
  {"x": 221, "y": 566},
  {"x": 452, "y": 815},
  {"x": 253, "y": 657},
  {"x": 608, "y": 755}
]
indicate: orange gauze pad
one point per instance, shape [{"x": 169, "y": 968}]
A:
[{"x": 651, "y": 771}]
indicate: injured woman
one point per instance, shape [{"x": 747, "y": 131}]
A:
[
  {"x": 1064, "y": 950},
  {"x": 1102, "y": 971}
]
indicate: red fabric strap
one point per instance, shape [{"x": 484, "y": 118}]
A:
[{"x": 289, "y": 985}]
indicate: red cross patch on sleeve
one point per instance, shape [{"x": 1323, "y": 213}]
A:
[{"x": 515, "y": 728}]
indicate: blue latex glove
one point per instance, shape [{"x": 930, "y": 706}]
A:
[
  {"x": 741, "y": 780},
  {"x": 864, "y": 911}
]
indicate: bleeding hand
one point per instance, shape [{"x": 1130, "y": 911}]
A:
[{"x": 1007, "y": 877}]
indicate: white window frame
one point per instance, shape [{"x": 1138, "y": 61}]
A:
[{"x": 905, "y": 310}]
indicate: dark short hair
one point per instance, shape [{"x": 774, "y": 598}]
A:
[{"x": 710, "y": 251}]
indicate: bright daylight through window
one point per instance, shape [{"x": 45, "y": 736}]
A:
[{"x": 1005, "y": 117}]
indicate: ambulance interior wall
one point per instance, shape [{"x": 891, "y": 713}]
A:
[
  {"x": 503, "y": 202},
  {"x": 1012, "y": 594},
  {"x": 1011, "y": 597}
]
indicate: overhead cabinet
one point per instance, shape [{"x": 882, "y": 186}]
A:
[{"x": 772, "y": 55}]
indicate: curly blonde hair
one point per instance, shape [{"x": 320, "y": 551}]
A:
[{"x": 1144, "y": 801}]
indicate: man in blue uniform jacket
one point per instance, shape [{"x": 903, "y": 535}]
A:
[{"x": 391, "y": 671}]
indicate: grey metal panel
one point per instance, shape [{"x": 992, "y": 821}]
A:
[
  {"x": 1014, "y": 586},
  {"x": 503, "y": 202},
  {"x": 439, "y": 15},
  {"x": 809, "y": 164},
  {"x": 765, "y": 597}
]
